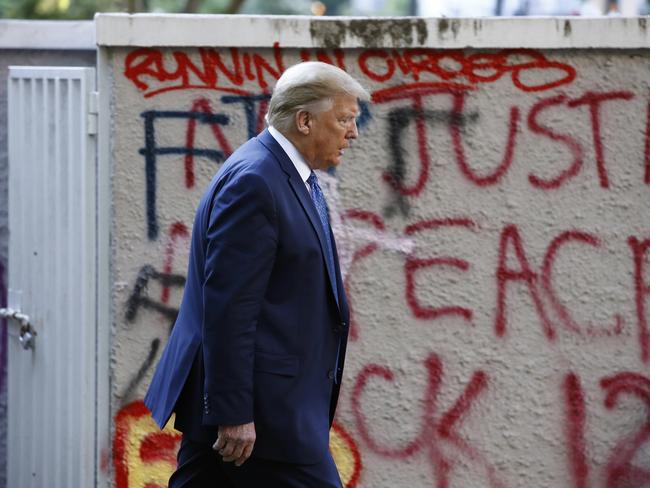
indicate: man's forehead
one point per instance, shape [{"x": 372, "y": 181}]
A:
[{"x": 346, "y": 103}]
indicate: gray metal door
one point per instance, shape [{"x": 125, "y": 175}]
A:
[{"x": 52, "y": 384}]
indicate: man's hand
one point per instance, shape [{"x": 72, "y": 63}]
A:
[{"x": 235, "y": 442}]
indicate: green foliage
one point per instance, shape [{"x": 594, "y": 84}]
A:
[
  {"x": 277, "y": 7},
  {"x": 335, "y": 7},
  {"x": 86, "y": 9},
  {"x": 55, "y": 9},
  {"x": 389, "y": 8}
]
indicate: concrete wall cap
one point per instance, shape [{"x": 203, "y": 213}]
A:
[{"x": 368, "y": 32}]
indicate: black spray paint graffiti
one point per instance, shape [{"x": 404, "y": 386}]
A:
[
  {"x": 151, "y": 152},
  {"x": 254, "y": 108},
  {"x": 144, "y": 367},
  {"x": 399, "y": 120},
  {"x": 201, "y": 112},
  {"x": 139, "y": 299}
]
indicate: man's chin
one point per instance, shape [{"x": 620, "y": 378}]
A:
[
  {"x": 330, "y": 163},
  {"x": 335, "y": 162}
]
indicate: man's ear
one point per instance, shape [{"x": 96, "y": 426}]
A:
[{"x": 303, "y": 122}]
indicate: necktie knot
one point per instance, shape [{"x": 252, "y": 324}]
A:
[{"x": 312, "y": 181}]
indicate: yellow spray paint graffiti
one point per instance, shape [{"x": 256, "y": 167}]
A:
[{"x": 145, "y": 457}]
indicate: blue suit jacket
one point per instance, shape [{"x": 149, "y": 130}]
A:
[{"x": 259, "y": 327}]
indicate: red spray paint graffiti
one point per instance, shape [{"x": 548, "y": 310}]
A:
[
  {"x": 647, "y": 147},
  {"x": 209, "y": 70},
  {"x": 457, "y": 117},
  {"x": 642, "y": 290},
  {"x": 395, "y": 180},
  {"x": 475, "y": 68},
  {"x": 562, "y": 312},
  {"x": 436, "y": 428},
  {"x": 378, "y": 223},
  {"x": 574, "y": 399},
  {"x": 346, "y": 455},
  {"x": 201, "y": 105},
  {"x": 413, "y": 264},
  {"x": 594, "y": 100},
  {"x": 504, "y": 275},
  {"x": 146, "y": 65},
  {"x": 621, "y": 472},
  {"x": 513, "y": 266},
  {"x": 410, "y": 79},
  {"x": 145, "y": 457},
  {"x": 322, "y": 56},
  {"x": 467, "y": 171},
  {"x": 176, "y": 231},
  {"x": 569, "y": 142}
]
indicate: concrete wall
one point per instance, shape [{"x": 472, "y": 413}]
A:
[
  {"x": 29, "y": 44},
  {"x": 492, "y": 224}
]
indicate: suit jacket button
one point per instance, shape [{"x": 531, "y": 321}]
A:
[
  {"x": 330, "y": 374},
  {"x": 344, "y": 324}
]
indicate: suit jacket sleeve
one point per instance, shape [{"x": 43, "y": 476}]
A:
[{"x": 240, "y": 252}]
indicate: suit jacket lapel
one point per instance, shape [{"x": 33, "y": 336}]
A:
[
  {"x": 299, "y": 189},
  {"x": 342, "y": 299}
]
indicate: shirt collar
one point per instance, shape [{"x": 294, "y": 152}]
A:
[{"x": 296, "y": 158}]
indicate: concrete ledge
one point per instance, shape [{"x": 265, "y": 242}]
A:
[
  {"x": 50, "y": 34},
  {"x": 350, "y": 32}
]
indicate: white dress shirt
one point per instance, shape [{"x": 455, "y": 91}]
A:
[{"x": 296, "y": 158}]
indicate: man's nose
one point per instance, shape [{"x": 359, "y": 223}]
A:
[{"x": 353, "y": 133}]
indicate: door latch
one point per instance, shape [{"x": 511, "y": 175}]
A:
[{"x": 27, "y": 335}]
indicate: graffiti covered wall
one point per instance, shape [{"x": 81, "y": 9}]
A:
[{"x": 490, "y": 220}]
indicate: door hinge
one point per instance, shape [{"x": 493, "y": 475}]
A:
[{"x": 93, "y": 112}]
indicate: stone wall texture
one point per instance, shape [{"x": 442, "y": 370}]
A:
[{"x": 492, "y": 221}]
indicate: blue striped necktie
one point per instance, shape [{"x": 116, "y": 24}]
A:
[{"x": 321, "y": 206}]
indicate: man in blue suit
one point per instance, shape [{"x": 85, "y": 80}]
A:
[{"x": 254, "y": 363}]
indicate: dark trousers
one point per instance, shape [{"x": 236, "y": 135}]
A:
[{"x": 200, "y": 466}]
